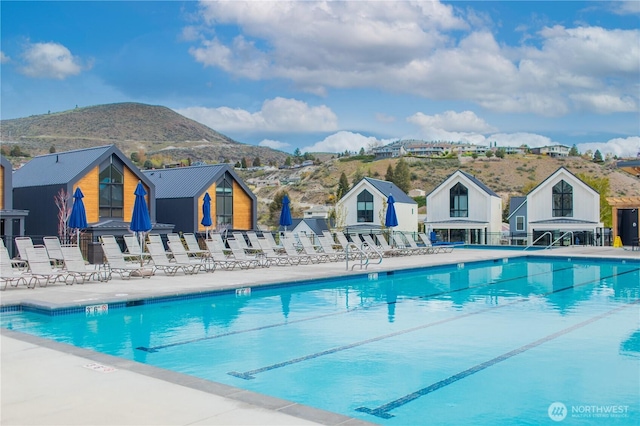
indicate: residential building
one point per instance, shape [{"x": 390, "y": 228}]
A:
[
  {"x": 11, "y": 221},
  {"x": 180, "y": 194},
  {"x": 365, "y": 206},
  {"x": 463, "y": 209}
]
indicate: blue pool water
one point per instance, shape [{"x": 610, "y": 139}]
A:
[{"x": 514, "y": 341}]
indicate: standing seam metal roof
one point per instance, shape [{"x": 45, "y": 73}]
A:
[
  {"x": 57, "y": 168},
  {"x": 387, "y": 188},
  {"x": 185, "y": 182}
]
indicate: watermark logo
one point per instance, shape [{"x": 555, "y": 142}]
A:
[{"x": 557, "y": 411}]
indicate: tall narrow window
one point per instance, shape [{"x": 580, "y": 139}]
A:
[
  {"x": 562, "y": 199},
  {"x": 520, "y": 223},
  {"x": 459, "y": 201},
  {"x": 224, "y": 200},
  {"x": 365, "y": 206},
  {"x": 111, "y": 188}
]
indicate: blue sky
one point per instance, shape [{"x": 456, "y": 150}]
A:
[{"x": 331, "y": 76}]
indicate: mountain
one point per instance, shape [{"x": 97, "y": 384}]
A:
[{"x": 154, "y": 130}]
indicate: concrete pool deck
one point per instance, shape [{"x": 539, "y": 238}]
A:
[{"x": 45, "y": 382}]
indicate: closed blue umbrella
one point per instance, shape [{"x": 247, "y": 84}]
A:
[
  {"x": 285, "y": 214},
  {"x": 391, "y": 219},
  {"x": 206, "y": 213},
  {"x": 140, "y": 219},
  {"x": 78, "y": 217}
]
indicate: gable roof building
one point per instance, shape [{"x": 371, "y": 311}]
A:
[
  {"x": 104, "y": 174},
  {"x": 365, "y": 205},
  {"x": 8, "y": 216},
  {"x": 462, "y": 208},
  {"x": 563, "y": 204},
  {"x": 180, "y": 195}
]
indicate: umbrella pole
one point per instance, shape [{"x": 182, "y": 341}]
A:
[{"x": 140, "y": 236}]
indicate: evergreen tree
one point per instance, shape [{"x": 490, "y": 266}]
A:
[
  {"x": 343, "y": 186},
  {"x": 357, "y": 177},
  {"x": 296, "y": 152},
  {"x": 389, "y": 176},
  {"x": 243, "y": 163},
  {"x": 573, "y": 152},
  {"x": 402, "y": 176},
  {"x": 256, "y": 162},
  {"x": 489, "y": 153},
  {"x": 361, "y": 151},
  {"x": 135, "y": 157},
  {"x": 597, "y": 157},
  {"x": 287, "y": 162},
  {"x": 500, "y": 153}
]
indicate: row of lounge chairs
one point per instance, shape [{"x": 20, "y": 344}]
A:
[{"x": 52, "y": 262}]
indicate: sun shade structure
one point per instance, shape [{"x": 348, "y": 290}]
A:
[
  {"x": 140, "y": 220},
  {"x": 285, "y": 213},
  {"x": 78, "y": 217},
  {"x": 391, "y": 218}
]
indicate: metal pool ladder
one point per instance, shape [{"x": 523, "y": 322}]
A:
[
  {"x": 363, "y": 254},
  {"x": 554, "y": 241}
]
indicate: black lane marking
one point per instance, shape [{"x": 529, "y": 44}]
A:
[
  {"x": 383, "y": 410},
  {"x": 357, "y": 308},
  {"x": 248, "y": 375}
]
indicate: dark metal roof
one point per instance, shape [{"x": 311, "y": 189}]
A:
[
  {"x": 317, "y": 225},
  {"x": 389, "y": 188},
  {"x": 189, "y": 182},
  {"x": 59, "y": 168},
  {"x": 515, "y": 203},
  {"x": 481, "y": 185}
]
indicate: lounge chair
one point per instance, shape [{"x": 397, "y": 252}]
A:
[
  {"x": 372, "y": 247},
  {"x": 40, "y": 269},
  {"x": 155, "y": 238},
  {"x": 134, "y": 250},
  {"x": 292, "y": 251},
  {"x": 244, "y": 260},
  {"x": 22, "y": 243},
  {"x": 326, "y": 242},
  {"x": 54, "y": 250},
  {"x": 181, "y": 256},
  {"x": 193, "y": 248},
  {"x": 269, "y": 254},
  {"x": 309, "y": 249},
  {"x": 218, "y": 255},
  {"x": 116, "y": 261},
  {"x": 9, "y": 274},
  {"x": 342, "y": 239},
  {"x": 386, "y": 247},
  {"x": 272, "y": 243},
  {"x": 161, "y": 261},
  {"x": 435, "y": 248},
  {"x": 76, "y": 267},
  {"x": 406, "y": 243}
]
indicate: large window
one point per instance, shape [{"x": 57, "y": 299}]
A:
[
  {"x": 562, "y": 199},
  {"x": 459, "y": 201},
  {"x": 365, "y": 206},
  {"x": 224, "y": 201},
  {"x": 112, "y": 188}
]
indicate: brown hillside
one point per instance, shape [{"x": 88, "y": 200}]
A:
[{"x": 153, "y": 130}]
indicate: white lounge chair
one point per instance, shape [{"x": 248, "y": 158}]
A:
[
  {"x": 134, "y": 251},
  {"x": 76, "y": 267},
  {"x": 40, "y": 269},
  {"x": 9, "y": 274},
  {"x": 193, "y": 248},
  {"x": 244, "y": 260},
  {"x": 116, "y": 261},
  {"x": 310, "y": 250},
  {"x": 54, "y": 250},
  {"x": 161, "y": 261}
]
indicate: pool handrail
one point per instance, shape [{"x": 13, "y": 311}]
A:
[{"x": 538, "y": 239}]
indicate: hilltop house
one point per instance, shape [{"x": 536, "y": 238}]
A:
[
  {"x": 104, "y": 174},
  {"x": 180, "y": 194},
  {"x": 11, "y": 221},
  {"x": 364, "y": 206},
  {"x": 464, "y": 209},
  {"x": 561, "y": 205}
]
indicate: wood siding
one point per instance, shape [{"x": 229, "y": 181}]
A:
[
  {"x": 90, "y": 187},
  {"x": 130, "y": 183},
  {"x": 212, "y": 193},
  {"x": 242, "y": 208}
]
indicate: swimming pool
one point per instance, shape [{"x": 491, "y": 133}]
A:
[{"x": 476, "y": 343}]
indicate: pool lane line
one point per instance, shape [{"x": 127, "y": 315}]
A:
[
  {"x": 153, "y": 349},
  {"x": 383, "y": 410},
  {"x": 249, "y": 375}
]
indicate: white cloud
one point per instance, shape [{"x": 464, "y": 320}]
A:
[
  {"x": 626, "y": 7},
  {"x": 274, "y": 144},
  {"x": 532, "y": 140},
  {"x": 465, "y": 121},
  {"x": 49, "y": 60},
  {"x": 622, "y": 147},
  {"x": 4, "y": 58},
  {"x": 343, "y": 141},
  {"x": 276, "y": 115},
  {"x": 427, "y": 49}
]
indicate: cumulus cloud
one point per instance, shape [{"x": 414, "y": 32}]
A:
[
  {"x": 427, "y": 49},
  {"x": 465, "y": 121},
  {"x": 274, "y": 144},
  {"x": 276, "y": 115},
  {"x": 50, "y": 60},
  {"x": 344, "y": 141},
  {"x": 4, "y": 58},
  {"x": 622, "y": 147}
]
